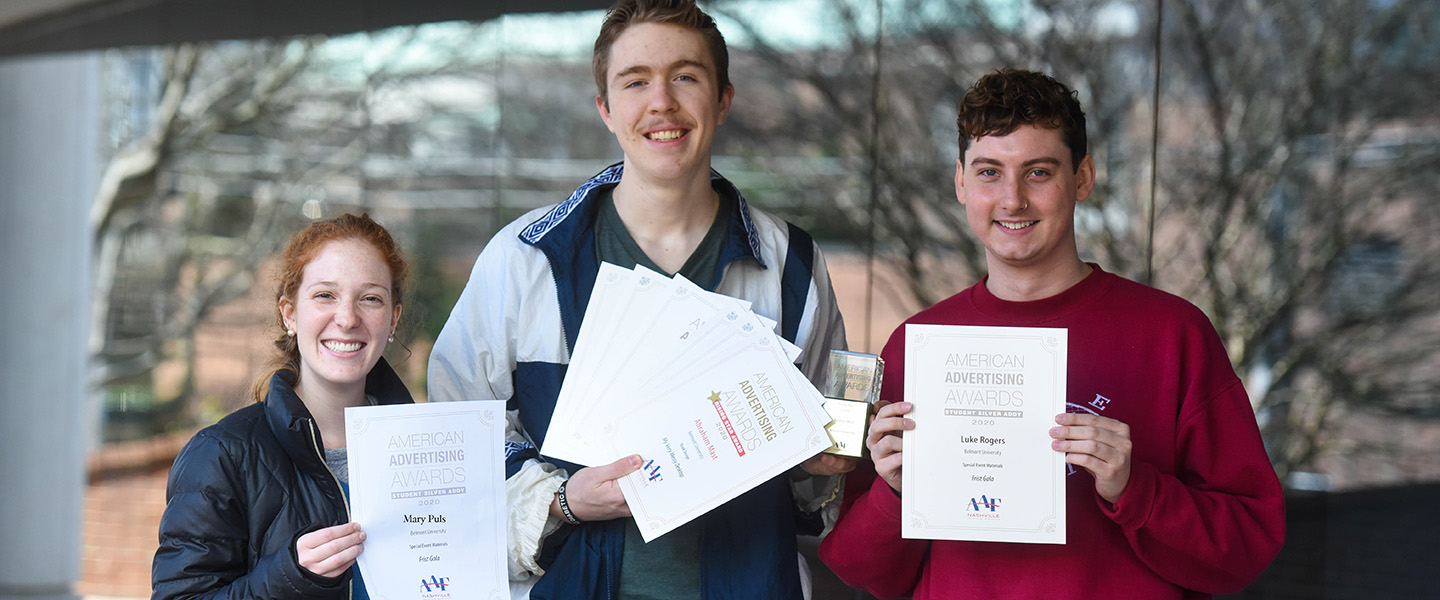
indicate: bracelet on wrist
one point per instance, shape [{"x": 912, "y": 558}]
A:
[{"x": 564, "y": 505}]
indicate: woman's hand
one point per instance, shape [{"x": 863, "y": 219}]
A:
[{"x": 328, "y": 552}]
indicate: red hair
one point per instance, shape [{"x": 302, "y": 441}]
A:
[{"x": 299, "y": 252}]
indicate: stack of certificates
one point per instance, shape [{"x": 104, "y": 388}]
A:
[{"x": 692, "y": 381}]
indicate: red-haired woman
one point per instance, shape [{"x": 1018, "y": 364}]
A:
[{"x": 256, "y": 504}]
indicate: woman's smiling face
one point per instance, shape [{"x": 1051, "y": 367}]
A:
[{"x": 342, "y": 314}]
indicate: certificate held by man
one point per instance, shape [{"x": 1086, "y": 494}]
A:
[
  {"x": 978, "y": 466},
  {"x": 720, "y": 430},
  {"x": 427, "y": 485},
  {"x": 699, "y": 386}
]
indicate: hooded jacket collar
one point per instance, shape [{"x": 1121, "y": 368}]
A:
[{"x": 291, "y": 422}]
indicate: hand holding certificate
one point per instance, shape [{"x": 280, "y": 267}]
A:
[
  {"x": 720, "y": 429},
  {"x": 427, "y": 485},
  {"x": 696, "y": 384},
  {"x": 979, "y": 465}
]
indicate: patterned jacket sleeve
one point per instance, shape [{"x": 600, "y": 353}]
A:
[{"x": 474, "y": 358}]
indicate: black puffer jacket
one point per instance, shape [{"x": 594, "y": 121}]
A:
[{"x": 243, "y": 490}]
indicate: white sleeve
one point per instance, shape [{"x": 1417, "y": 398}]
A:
[
  {"x": 474, "y": 358},
  {"x": 528, "y": 494},
  {"x": 474, "y": 355}
]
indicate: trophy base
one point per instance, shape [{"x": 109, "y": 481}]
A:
[{"x": 847, "y": 431}]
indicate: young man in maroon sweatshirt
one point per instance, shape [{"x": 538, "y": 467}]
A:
[{"x": 1169, "y": 493}]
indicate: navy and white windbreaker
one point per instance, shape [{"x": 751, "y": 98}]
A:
[{"x": 509, "y": 338}]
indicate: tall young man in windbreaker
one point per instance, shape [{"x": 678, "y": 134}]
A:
[
  {"x": 661, "y": 68},
  {"x": 1169, "y": 492}
]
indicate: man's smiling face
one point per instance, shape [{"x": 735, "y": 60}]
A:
[
  {"x": 1019, "y": 192},
  {"x": 664, "y": 101}
]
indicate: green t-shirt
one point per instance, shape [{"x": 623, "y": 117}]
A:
[
  {"x": 667, "y": 568},
  {"x": 614, "y": 244}
]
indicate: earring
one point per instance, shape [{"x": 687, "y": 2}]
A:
[
  {"x": 392, "y": 338},
  {"x": 290, "y": 332}
]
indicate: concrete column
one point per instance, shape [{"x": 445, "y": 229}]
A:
[{"x": 49, "y": 149}]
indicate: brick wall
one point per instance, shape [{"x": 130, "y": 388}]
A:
[{"x": 123, "y": 503}]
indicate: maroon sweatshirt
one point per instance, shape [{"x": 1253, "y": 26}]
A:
[{"x": 1203, "y": 512}]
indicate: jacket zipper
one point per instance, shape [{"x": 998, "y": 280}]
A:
[
  {"x": 320, "y": 453},
  {"x": 565, "y": 330},
  {"x": 609, "y": 580},
  {"x": 559, "y": 305},
  {"x": 700, "y": 557}
]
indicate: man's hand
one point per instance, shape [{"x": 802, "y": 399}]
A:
[
  {"x": 823, "y": 464},
  {"x": 884, "y": 440},
  {"x": 594, "y": 495},
  {"x": 328, "y": 552},
  {"x": 1098, "y": 444}
]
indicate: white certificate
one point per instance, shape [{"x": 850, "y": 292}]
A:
[
  {"x": 639, "y": 325},
  {"x": 736, "y": 421},
  {"x": 694, "y": 382},
  {"x": 427, "y": 485},
  {"x": 978, "y": 465}
]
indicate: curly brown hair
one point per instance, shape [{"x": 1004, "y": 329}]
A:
[
  {"x": 299, "y": 252},
  {"x": 683, "y": 13},
  {"x": 1000, "y": 102}
]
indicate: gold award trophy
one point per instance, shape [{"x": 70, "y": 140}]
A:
[{"x": 852, "y": 384}]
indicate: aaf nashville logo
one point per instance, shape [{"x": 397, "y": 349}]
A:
[
  {"x": 436, "y": 587},
  {"x": 984, "y": 508}
]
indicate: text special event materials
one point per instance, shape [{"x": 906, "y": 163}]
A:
[
  {"x": 427, "y": 485},
  {"x": 978, "y": 466}
]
